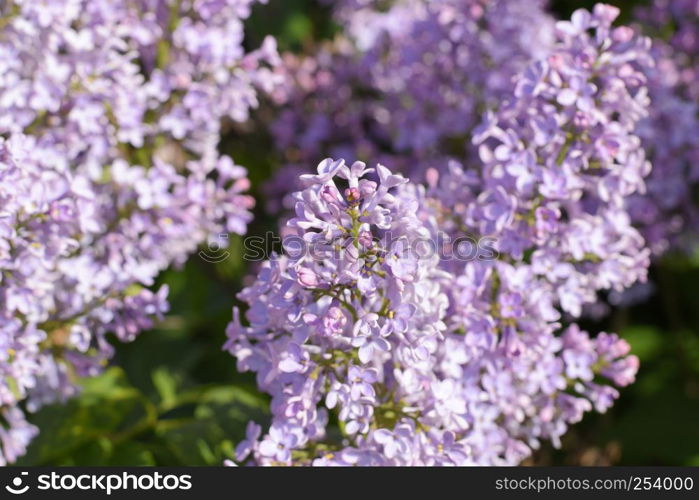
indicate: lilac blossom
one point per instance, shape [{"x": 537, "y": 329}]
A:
[
  {"x": 110, "y": 114},
  {"x": 453, "y": 362},
  {"x": 667, "y": 212},
  {"x": 333, "y": 339},
  {"x": 406, "y": 85}
]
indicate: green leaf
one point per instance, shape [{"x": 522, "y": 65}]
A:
[
  {"x": 132, "y": 453},
  {"x": 86, "y": 429},
  {"x": 166, "y": 386},
  {"x": 218, "y": 420},
  {"x": 646, "y": 341}
]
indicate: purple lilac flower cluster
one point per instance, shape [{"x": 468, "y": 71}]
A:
[
  {"x": 432, "y": 361},
  {"x": 667, "y": 213},
  {"x": 558, "y": 162},
  {"x": 331, "y": 323},
  {"x": 406, "y": 85},
  {"x": 561, "y": 157},
  {"x": 109, "y": 173},
  {"x": 676, "y": 23}
]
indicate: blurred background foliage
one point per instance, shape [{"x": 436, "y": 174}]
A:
[{"x": 173, "y": 396}]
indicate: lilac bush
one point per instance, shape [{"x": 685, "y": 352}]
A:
[
  {"x": 426, "y": 308},
  {"x": 406, "y": 85},
  {"x": 410, "y": 79},
  {"x": 109, "y": 173},
  {"x": 430, "y": 358},
  {"x": 667, "y": 213}
]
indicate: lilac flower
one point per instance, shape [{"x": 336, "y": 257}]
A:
[
  {"x": 277, "y": 445},
  {"x": 247, "y": 446},
  {"x": 361, "y": 381},
  {"x": 14, "y": 436}
]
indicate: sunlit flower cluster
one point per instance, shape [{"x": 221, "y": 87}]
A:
[
  {"x": 109, "y": 173},
  {"x": 429, "y": 360}
]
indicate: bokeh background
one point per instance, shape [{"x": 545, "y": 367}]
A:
[{"x": 173, "y": 397}]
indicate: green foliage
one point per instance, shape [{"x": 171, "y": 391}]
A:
[
  {"x": 115, "y": 423},
  {"x": 295, "y": 24}
]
